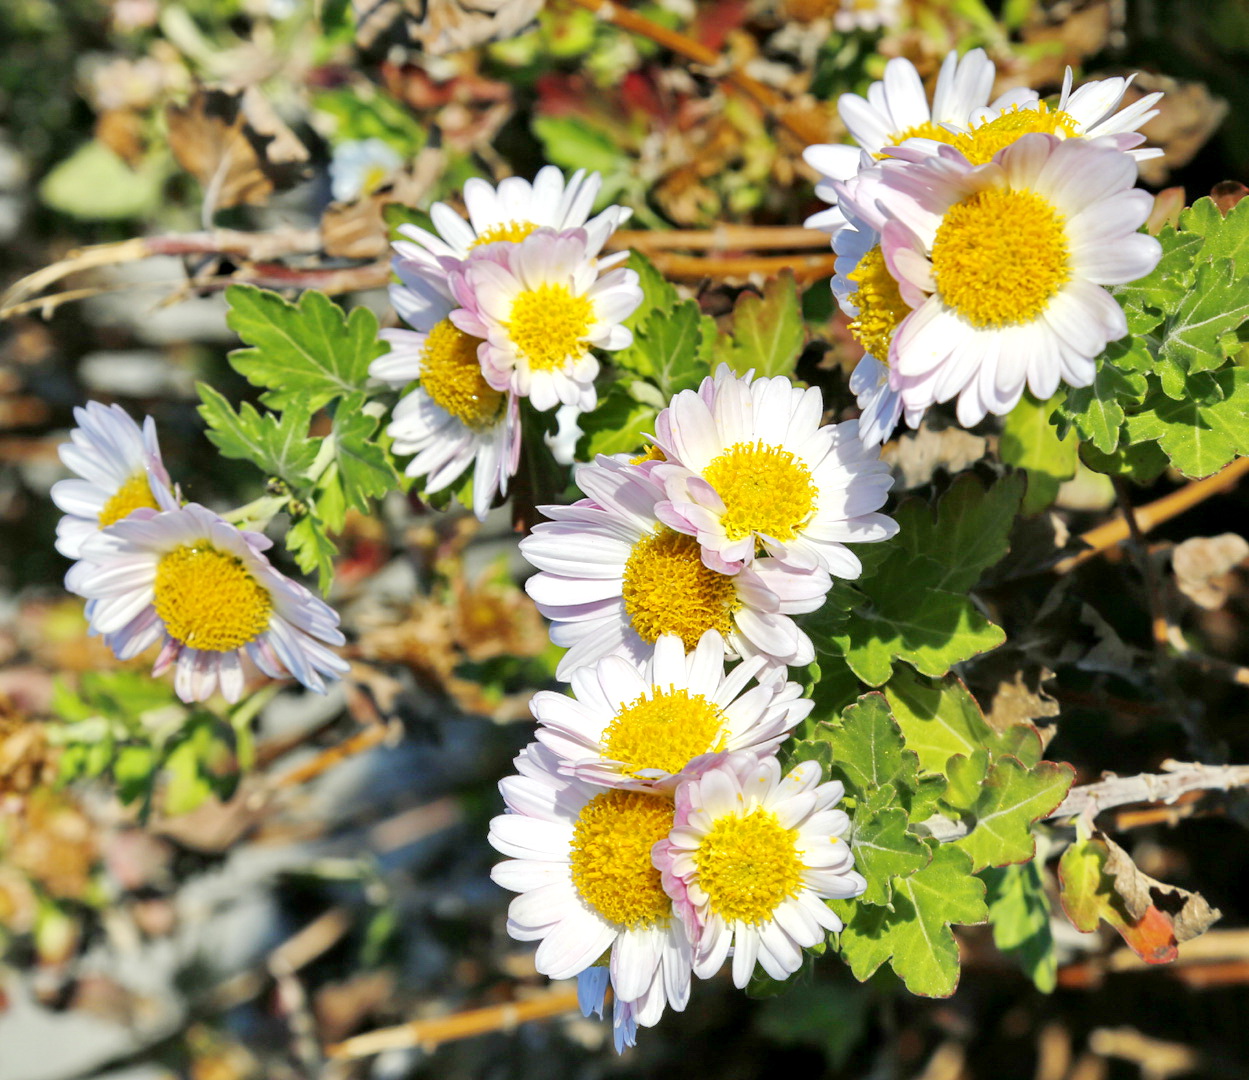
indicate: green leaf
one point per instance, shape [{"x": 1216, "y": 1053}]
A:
[
  {"x": 306, "y": 355},
  {"x": 1019, "y": 911},
  {"x": 964, "y": 775},
  {"x": 658, "y": 295},
  {"x": 915, "y": 937},
  {"x": 867, "y": 748},
  {"x": 616, "y": 426},
  {"x": 314, "y": 551},
  {"x": 1222, "y": 237},
  {"x": 768, "y": 332},
  {"x": 803, "y": 1017},
  {"x": 1142, "y": 463},
  {"x": 94, "y": 184},
  {"x": 671, "y": 348},
  {"x": 1200, "y": 336},
  {"x": 277, "y": 446},
  {"x": 364, "y": 470},
  {"x": 1012, "y": 798},
  {"x": 883, "y": 849},
  {"x": 937, "y": 718},
  {"x": 1146, "y": 300},
  {"x": 571, "y": 143},
  {"x": 1205, "y": 431},
  {"x": 1032, "y": 443},
  {"x": 1097, "y": 411}
]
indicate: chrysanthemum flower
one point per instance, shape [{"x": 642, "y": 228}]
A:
[
  {"x": 592, "y": 999},
  {"x": 614, "y": 580},
  {"x": 866, "y": 15},
  {"x": 1004, "y": 264},
  {"x": 749, "y": 465},
  {"x": 868, "y": 293},
  {"x": 454, "y": 419},
  {"x": 511, "y": 212},
  {"x": 897, "y": 109},
  {"x": 580, "y": 857},
  {"x": 634, "y": 727},
  {"x": 541, "y": 305},
  {"x": 1090, "y": 112},
  {"x": 120, "y": 469},
  {"x": 360, "y": 166},
  {"x": 751, "y": 859},
  {"x": 204, "y": 589}
]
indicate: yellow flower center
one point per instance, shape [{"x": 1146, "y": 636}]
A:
[
  {"x": 548, "y": 324},
  {"x": 209, "y": 600},
  {"x": 747, "y": 865},
  {"x": 765, "y": 490},
  {"x": 611, "y": 857},
  {"x": 999, "y": 256},
  {"x": 664, "y": 732},
  {"x": 511, "y": 231},
  {"x": 133, "y": 494},
  {"x": 668, "y": 590},
  {"x": 927, "y": 130},
  {"x": 981, "y": 144},
  {"x": 880, "y": 304},
  {"x": 651, "y": 453},
  {"x": 451, "y": 375}
]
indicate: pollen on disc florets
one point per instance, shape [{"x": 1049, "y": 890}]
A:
[
  {"x": 610, "y": 857},
  {"x": 451, "y": 375},
  {"x": 880, "y": 304},
  {"x": 765, "y": 489},
  {"x": 134, "y": 494},
  {"x": 747, "y": 865},
  {"x": 511, "y": 231},
  {"x": 985, "y": 140},
  {"x": 1000, "y": 255},
  {"x": 664, "y": 732},
  {"x": 930, "y": 129},
  {"x": 548, "y": 326},
  {"x": 668, "y": 590},
  {"x": 209, "y": 600}
]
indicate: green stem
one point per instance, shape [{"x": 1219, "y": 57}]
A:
[{"x": 258, "y": 513}]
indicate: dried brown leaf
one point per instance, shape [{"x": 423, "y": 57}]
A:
[
  {"x": 916, "y": 456},
  {"x": 1203, "y": 567},
  {"x": 442, "y": 26},
  {"x": 1187, "y": 912}
]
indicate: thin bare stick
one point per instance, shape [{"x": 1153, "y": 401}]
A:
[
  {"x": 327, "y": 759},
  {"x": 800, "y": 123},
  {"x": 721, "y": 238},
  {"x": 1091, "y": 799},
  {"x": 806, "y": 268},
  {"x": 428, "y": 1034},
  {"x": 1153, "y": 514}
]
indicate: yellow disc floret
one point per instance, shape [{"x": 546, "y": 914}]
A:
[
  {"x": 928, "y": 130},
  {"x": 984, "y": 141},
  {"x": 747, "y": 865},
  {"x": 610, "y": 857},
  {"x": 765, "y": 490},
  {"x": 880, "y": 304},
  {"x": 133, "y": 494},
  {"x": 451, "y": 375},
  {"x": 208, "y": 599},
  {"x": 511, "y": 231},
  {"x": 668, "y": 590},
  {"x": 1000, "y": 255},
  {"x": 548, "y": 326},
  {"x": 664, "y": 732}
]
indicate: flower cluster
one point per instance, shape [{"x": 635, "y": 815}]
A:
[
  {"x": 650, "y": 828},
  {"x": 155, "y": 571},
  {"x": 508, "y": 305},
  {"x": 975, "y": 240}
]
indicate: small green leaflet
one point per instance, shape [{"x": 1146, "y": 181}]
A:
[
  {"x": 768, "y": 331},
  {"x": 1201, "y": 334},
  {"x": 276, "y": 446},
  {"x": 616, "y": 426},
  {"x": 1204, "y": 432},
  {"x": 915, "y": 937},
  {"x": 314, "y": 551},
  {"x": 1019, "y": 911},
  {"x": 1097, "y": 411},
  {"x": 364, "y": 471},
  {"x": 1222, "y": 237},
  {"x": 883, "y": 849},
  {"x": 1031, "y": 442},
  {"x": 305, "y": 355},
  {"x": 1011, "y": 799}
]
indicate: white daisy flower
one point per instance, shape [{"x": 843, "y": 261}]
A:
[
  {"x": 511, "y": 212},
  {"x": 204, "y": 589},
  {"x": 626, "y": 726},
  {"x": 120, "y": 469},
  {"x": 360, "y": 166},
  {"x": 868, "y": 15},
  {"x": 454, "y": 419},
  {"x": 868, "y": 293},
  {"x": 1005, "y": 265},
  {"x": 580, "y": 858},
  {"x": 751, "y": 859},
  {"x": 749, "y": 465},
  {"x": 614, "y": 579},
  {"x": 1090, "y": 112},
  {"x": 541, "y": 307},
  {"x": 897, "y": 109},
  {"x": 592, "y": 999}
]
